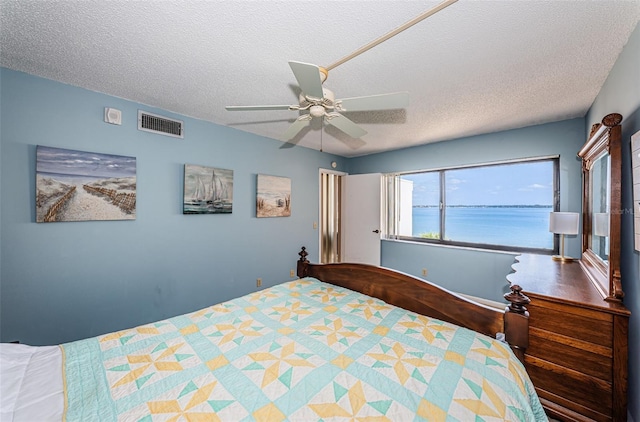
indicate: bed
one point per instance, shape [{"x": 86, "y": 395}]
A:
[{"x": 335, "y": 344}]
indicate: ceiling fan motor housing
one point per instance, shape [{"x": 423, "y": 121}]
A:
[
  {"x": 327, "y": 98},
  {"x": 326, "y": 102}
]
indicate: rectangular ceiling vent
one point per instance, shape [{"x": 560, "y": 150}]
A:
[{"x": 158, "y": 124}]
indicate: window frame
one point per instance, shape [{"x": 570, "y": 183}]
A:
[{"x": 391, "y": 208}]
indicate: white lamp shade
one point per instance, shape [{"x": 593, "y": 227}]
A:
[
  {"x": 564, "y": 222},
  {"x": 601, "y": 224}
]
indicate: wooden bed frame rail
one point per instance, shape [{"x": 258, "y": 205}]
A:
[{"x": 421, "y": 296}]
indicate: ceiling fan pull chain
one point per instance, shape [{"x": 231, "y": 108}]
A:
[{"x": 393, "y": 33}]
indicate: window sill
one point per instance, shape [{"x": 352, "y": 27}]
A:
[{"x": 467, "y": 248}]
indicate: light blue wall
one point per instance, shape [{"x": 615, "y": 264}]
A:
[
  {"x": 621, "y": 94},
  {"x": 476, "y": 272},
  {"x": 480, "y": 273},
  {"x": 65, "y": 281}
]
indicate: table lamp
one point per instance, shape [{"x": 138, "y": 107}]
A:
[
  {"x": 601, "y": 224},
  {"x": 563, "y": 223}
]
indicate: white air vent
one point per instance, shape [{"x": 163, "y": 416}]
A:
[{"x": 158, "y": 124}]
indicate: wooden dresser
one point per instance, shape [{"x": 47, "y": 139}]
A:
[{"x": 577, "y": 354}]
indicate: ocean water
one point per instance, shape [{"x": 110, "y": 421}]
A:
[{"x": 523, "y": 227}]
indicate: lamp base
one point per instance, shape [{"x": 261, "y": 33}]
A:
[{"x": 563, "y": 259}]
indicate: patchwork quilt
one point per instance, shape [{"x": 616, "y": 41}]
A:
[{"x": 300, "y": 351}]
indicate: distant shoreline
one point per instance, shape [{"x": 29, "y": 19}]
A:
[{"x": 485, "y": 206}]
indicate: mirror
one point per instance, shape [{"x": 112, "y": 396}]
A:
[{"x": 601, "y": 206}]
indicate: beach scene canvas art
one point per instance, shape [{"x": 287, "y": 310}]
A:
[
  {"x": 207, "y": 190},
  {"x": 82, "y": 186},
  {"x": 273, "y": 198}
]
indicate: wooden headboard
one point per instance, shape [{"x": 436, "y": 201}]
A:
[{"x": 426, "y": 298}]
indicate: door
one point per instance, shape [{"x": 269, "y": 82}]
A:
[{"x": 361, "y": 218}]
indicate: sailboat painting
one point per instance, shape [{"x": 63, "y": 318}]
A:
[
  {"x": 273, "y": 198},
  {"x": 207, "y": 190}
]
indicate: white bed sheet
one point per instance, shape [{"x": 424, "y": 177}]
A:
[{"x": 31, "y": 385}]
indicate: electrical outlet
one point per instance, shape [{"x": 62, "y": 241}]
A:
[
  {"x": 259, "y": 282},
  {"x": 292, "y": 273},
  {"x": 424, "y": 271}
]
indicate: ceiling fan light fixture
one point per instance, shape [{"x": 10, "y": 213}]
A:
[{"x": 316, "y": 111}]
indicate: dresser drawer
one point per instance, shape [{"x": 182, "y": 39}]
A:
[
  {"x": 581, "y": 393},
  {"x": 570, "y": 321},
  {"x": 579, "y": 355}
]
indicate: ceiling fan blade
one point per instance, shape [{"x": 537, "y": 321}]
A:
[
  {"x": 345, "y": 125},
  {"x": 374, "y": 102},
  {"x": 300, "y": 123},
  {"x": 263, "y": 107},
  {"x": 308, "y": 77}
]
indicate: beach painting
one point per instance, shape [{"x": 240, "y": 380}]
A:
[
  {"x": 207, "y": 190},
  {"x": 83, "y": 186},
  {"x": 273, "y": 198}
]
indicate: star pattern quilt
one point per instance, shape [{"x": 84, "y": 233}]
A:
[{"x": 300, "y": 351}]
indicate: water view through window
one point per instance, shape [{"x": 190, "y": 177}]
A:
[{"x": 506, "y": 205}]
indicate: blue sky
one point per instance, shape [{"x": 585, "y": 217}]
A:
[
  {"x": 509, "y": 184},
  {"x": 71, "y": 162}
]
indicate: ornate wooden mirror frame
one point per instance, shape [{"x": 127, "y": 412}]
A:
[{"x": 604, "y": 143}]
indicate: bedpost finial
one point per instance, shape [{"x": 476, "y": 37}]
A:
[
  {"x": 517, "y": 300},
  {"x": 303, "y": 263},
  {"x": 303, "y": 254}
]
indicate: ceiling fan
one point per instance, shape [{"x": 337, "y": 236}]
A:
[{"x": 321, "y": 102}]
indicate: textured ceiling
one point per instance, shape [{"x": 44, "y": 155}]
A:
[{"x": 476, "y": 67}]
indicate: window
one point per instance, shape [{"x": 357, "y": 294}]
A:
[{"x": 497, "y": 206}]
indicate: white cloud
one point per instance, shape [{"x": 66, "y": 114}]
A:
[{"x": 533, "y": 187}]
